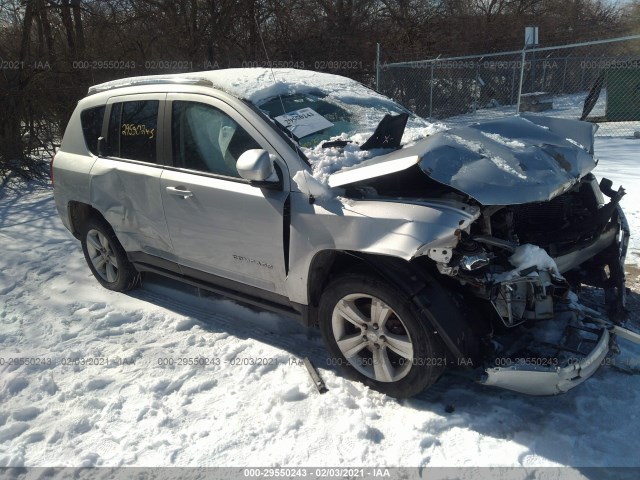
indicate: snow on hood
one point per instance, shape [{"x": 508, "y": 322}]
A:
[{"x": 501, "y": 162}]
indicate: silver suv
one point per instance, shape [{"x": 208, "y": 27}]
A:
[{"x": 414, "y": 248}]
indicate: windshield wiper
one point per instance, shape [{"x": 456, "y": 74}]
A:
[
  {"x": 336, "y": 144},
  {"x": 388, "y": 133}
]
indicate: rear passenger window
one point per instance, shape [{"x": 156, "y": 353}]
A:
[
  {"x": 91, "y": 120},
  {"x": 133, "y": 130}
]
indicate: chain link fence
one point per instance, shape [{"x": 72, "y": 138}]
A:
[{"x": 595, "y": 81}]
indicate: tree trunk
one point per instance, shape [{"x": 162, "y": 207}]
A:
[
  {"x": 79, "y": 29},
  {"x": 65, "y": 13},
  {"x": 26, "y": 32},
  {"x": 10, "y": 135},
  {"x": 46, "y": 31},
  {"x": 253, "y": 32}
]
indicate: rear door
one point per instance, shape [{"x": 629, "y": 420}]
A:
[
  {"x": 125, "y": 183},
  {"x": 219, "y": 224}
]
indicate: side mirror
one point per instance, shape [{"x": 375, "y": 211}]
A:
[{"x": 256, "y": 166}]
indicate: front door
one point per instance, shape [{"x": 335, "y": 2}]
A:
[{"x": 218, "y": 223}]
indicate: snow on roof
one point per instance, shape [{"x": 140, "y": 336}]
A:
[{"x": 257, "y": 84}]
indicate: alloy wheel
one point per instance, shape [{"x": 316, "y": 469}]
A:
[
  {"x": 102, "y": 255},
  {"x": 372, "y": 337}
]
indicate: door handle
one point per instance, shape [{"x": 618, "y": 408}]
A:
[{"x": 180, "y": 192}]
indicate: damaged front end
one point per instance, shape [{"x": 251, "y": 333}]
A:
[
  {"x": 546, "y": 228},
  {"x": 524, "y": 261},
  {"x": 576, "y": 234}
]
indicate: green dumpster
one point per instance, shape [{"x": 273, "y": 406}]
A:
[{"x": 623, "y": 94}]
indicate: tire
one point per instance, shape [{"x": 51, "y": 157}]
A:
[
  {"x": 106, "y": 258},
  {"x": 401, "y": 357}
]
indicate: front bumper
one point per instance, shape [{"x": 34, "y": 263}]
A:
[{"x": 542, "y": 380}]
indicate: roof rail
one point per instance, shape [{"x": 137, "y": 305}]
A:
[{"x": 136, "y": 81}]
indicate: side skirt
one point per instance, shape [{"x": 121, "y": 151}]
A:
[{"x": 234, "y": 290}]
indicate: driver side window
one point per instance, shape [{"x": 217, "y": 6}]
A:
[{"x": 206, "y": 139}]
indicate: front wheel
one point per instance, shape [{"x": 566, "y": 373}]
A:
[
  {"x": 106, "y": 258},
  {"x": 374, "y": 334}
]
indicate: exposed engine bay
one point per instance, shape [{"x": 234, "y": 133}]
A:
[
  {"x": 561, "y": 235},
  {"x": 525, "y": 260}
]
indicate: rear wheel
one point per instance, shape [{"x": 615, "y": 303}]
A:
[
  {"x": 106, "y": 258},
  {"x": 374, "y": 334}
]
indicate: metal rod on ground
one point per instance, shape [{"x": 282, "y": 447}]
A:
[{"x": 315, "y": 376}]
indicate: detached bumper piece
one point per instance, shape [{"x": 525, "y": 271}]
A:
[{"x": 569, "y": 367}]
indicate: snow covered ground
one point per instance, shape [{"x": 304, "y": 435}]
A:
[
  {"x": 143, "y": 404},
  {"x": 620, "y": 163}
]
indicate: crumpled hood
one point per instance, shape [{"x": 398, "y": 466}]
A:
[{"x": 512, "y": 160}]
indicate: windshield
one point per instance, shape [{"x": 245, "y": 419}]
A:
[{"x": 315, "y": 117}]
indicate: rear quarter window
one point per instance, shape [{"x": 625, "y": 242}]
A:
[
  {"x": 132, "y": 130},
  {"x": 91, "y": 120}
]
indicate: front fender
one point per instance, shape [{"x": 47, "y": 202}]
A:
[{"x": 399, "y": 229}]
